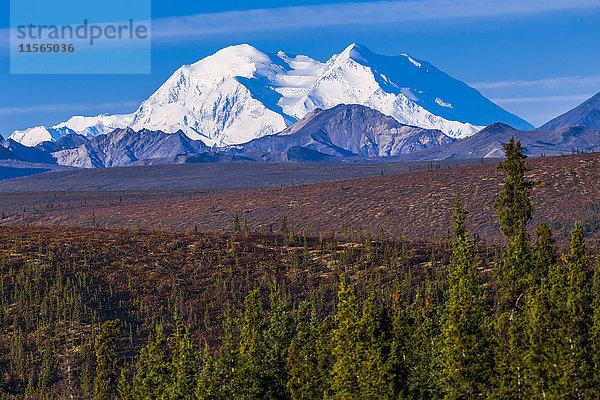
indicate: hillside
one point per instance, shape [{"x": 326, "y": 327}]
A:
[
  {"x": 413, "y": 204},
  {"x": 59, "y": 285},
  {"x": 203, "y": 171}
]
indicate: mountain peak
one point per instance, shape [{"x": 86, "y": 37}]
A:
[
  {"x": 586, "y": 114},
  {"x": 244, "y": 50},
  {"x": 593, "y": 101},
  {"x": 499, "y": 125},
  {"x": 240, "y": 93},
  {"x": 238, "y": 60}
]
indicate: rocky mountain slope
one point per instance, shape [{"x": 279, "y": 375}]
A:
[
  {"x": 349, "y": 130},
  {"x": 586, "y": 114},
  {"x": 123, "y": 147}
]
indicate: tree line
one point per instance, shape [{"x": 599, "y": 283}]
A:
[
  {"x": 532, "y": 332},
  {"x": 523, "y": 323}
]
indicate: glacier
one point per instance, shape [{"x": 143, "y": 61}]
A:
[{"x": 240, "y": 93}]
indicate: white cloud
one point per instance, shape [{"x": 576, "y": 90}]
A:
[
  {"x": 379, "y": 12},
  {"x": 549, "y": 83},
  {"x": 543, "y": 99},
  {"x": 64, "y": 107},
  {"x": 195, "y": 27}
]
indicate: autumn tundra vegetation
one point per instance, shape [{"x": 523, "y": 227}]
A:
[{"x": 93, "y": 313}]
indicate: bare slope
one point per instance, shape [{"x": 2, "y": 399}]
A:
[{"x": 411, "y": 204}]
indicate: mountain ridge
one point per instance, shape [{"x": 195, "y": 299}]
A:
[
  {"x": 348, "y": 130},
  {"x": 240, "y": 93},
  {"x": 586, "y": 114}
]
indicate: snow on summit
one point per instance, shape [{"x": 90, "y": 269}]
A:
[{"x": 240, "y": 93}]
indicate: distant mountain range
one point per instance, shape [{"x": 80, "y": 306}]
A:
[
  {"x": 488, "y": 143},
  {"x": 240, "y": 93},
  {"x": 344, "y": 133}
]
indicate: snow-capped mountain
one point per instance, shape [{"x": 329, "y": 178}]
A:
[
  {"x": 240, "y": 93},
  {"x": 86, "y": 126}
]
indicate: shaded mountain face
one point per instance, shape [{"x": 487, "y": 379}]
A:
[
  {"x": 586, "y": 114},
  {"x": 70, "y": 141},
  {"x": 123, "y": 147},
  {"x": 240, "y": 93},
  {"x": 6, "y": 154},
  {"x": 347, "y": 131},
  {"x": 29, "y": 154},
  {"x": 488, "y": 143}
]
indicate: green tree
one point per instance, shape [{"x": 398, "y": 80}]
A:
[
  {"x": 577, "y": 374},
  {"x": 515, "y": 273},
  {"x": 466, "y": 357},
  {"x": 347, "y": 348},
  {"x": 278, "y": 336},
  {"x": 87, "y": 373},
  {"x": 49, "y": 367},
  {"x": 184, "y": 367},
  {"x": 284, "y": 226},
  {"x": 249, "y": 377},
  {"x": 544, "y": 252},
  {"x": 107, "y": 371},
  {"x": 513, "y": 206},
  {"x": 124, "y": 386},
  {"x": 154, "y": 369},
  {"x": 302, "y": 359},
  {"x": 226, "y": 365},
  {"x": 595, "y": 336},
  {"x": 208, "y": 378},
  {"x": 544, "y": 317},
  {"x": 423, "y": 345},
  {"x": 376, "y": 379}
]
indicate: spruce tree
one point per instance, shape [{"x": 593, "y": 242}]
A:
[
  {"x": 577, "y": 374},
  {"x": 544, "y": 317},
  {"x": 153, "y": 377},
  {"x": 184, "y": 367},
  {"x": 513, "y": 205},
  {"x": 376, "y": 379},
  {"x": 401, "y": 353},
  {"x": 466, "y": 357},
  {"x": 278, "y": 336},
  {"x": 544, "y": 314},
  {"x": 236, "y": 224},
  {"x": 362, "y": 344},
  {"x": 423, "y": 347},
  {"x": 226, "y": 365},
  {"x": 302, "y": 359},
  {"x": 249, "y": 377},
  {"x": 87, "y": 373},
  {"x": 515, "y": 273},
  {"x": 595, "y": 336},
  {"x": 208, "y": 378},
  {"x": 107, "y": 371},
  {"x": 124, "y": 386},
  {"x": 347, "y": 349},
  {"x": 544, "y": 252},
  {"x": 49, "y": 368},
  {"x": 325, "y": 355}
]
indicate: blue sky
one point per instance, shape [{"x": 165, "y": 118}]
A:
[{"x": 535, "y": 58}]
